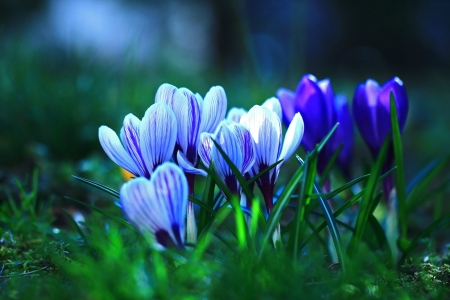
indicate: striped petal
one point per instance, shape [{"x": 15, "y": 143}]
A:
[
  {"x": 247, "y": 146},
  {"x": 114, "y": 149},
  {"x": 205, "y": 147},
  {"x": 158, "y": 133},
  {"x": 157, "y": 207},
  {"x": 189, "y": 118},
  {"x": 130, "y": 138},
  {"x": 214, "y": 109}
]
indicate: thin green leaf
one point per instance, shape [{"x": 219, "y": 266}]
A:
[
  {"x": 98, "y": 186},
  {"x": 326, "y": 138},
  {"x": 244, "y": 185},
  {"x": 369, "y": 193},
  {"x": 278, "y": 208},
  {"x": 341, "y": 189},
  {"x": 381, "y": 238},
  {"x": 257, "y": 176},
  {"x": 423, "y": 180},
  {"x": 208, "y": 202},
  {"x": 105, "y": 213},
  {"x": 400, "y": 173},
  {"x": 330, "y": 165},
  {"x": 75, "y": 224}
]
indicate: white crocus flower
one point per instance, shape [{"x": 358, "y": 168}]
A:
[
  {"x": 264, "y": 125},
  {"x": 143, "y": 145}
]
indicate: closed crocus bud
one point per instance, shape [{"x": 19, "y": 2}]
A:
[
  {"x": 371, "y": 110},
  {"x": 321, "y": 110}
]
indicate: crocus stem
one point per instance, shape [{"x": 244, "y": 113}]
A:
[{"x": 191, "y": 223}]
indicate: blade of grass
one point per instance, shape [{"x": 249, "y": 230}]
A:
[
  {"x": 105, "y": 213},
  {"x": 98, "y": 186},
  {"x": 257, "y": 176},
  {"x": 75, "y": 224},
  {"x": 400, "y": 173},
  {"x": 278, "y": 208},
  {"x": 368, "y": 196},
  {"x": 330, "y": 165}
]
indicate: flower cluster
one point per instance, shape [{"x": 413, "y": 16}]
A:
[{"x": 185, "y": 128}]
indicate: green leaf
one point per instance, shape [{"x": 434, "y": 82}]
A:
[
  {"x": 257, "y": 176},
  {"x": 277, "y": 210},
  {"x": 105, "y": 213},
  {"x": 208, "y": 202},
  {"x": 400, "y": 173},
  {"x": 245, "y": 186},
  {"x": 423, "y": 180},
  {"x": 368, "y": 196},
  {"x": 98, "y": 186},
  {"x": 326, "y": 138},
  {"x": 306, "y": 188},
  {"x": 75, "y": 224},
  {"x": 441, "y": 222},
  {"x": 341, "y": 189},
  {"x": 330, "y": 165}
]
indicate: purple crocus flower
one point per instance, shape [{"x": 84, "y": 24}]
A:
[
  {"x": 236, "y": 141},
  {"x": 265, "y": 128},
  {"x": 321, "y": 110},
  {"x": 371, "y": 110},
  {"x": 157, "y": 207},
  {"x": 145, "y": 144}
]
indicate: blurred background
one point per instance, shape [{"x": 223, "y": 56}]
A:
[{"x": 70, "y": 66}]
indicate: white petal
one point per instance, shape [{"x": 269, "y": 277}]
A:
[
  {"x": 293, "y": 137},
  {"x": 168, "y": 94},
  {"x": 113, "y": 148},
  {"x": 235, "y": 114},
  {"x": 214, "y": 109},
  {"x": 187, "y": 167},
  {"x": 274, "y": 105},
  {"x": 158, "y": 135},
  {"x": 190, "y": 119}
]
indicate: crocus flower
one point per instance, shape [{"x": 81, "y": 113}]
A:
[
  {"x": 265, "y": 128},
  {"x": 194, "y": 116},
  {"x": 371, "y": 110},
  {"x": 236, "y": 141},
  {"x": 157, "y": 207},
  {"x": 321, "y": 110},
  {"x": 145, "y": 144}
]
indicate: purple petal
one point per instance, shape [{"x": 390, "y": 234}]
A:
[
  {"x": 287, "y": 100},
  {"x": 365, "y": 113},
  {"x": 310, "y": 102},
  {"x": 325, "y": 86},
  {"x": 168, "y": 94},
  {"x": 395, "y": 85},
  {"x": 113, "y": 148},
  {"x": 157, "y": 207},
  {"x": 158, "y": 134},
  {"x": 214, "y": 109},
  {"x": 344, "y": 132}
]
